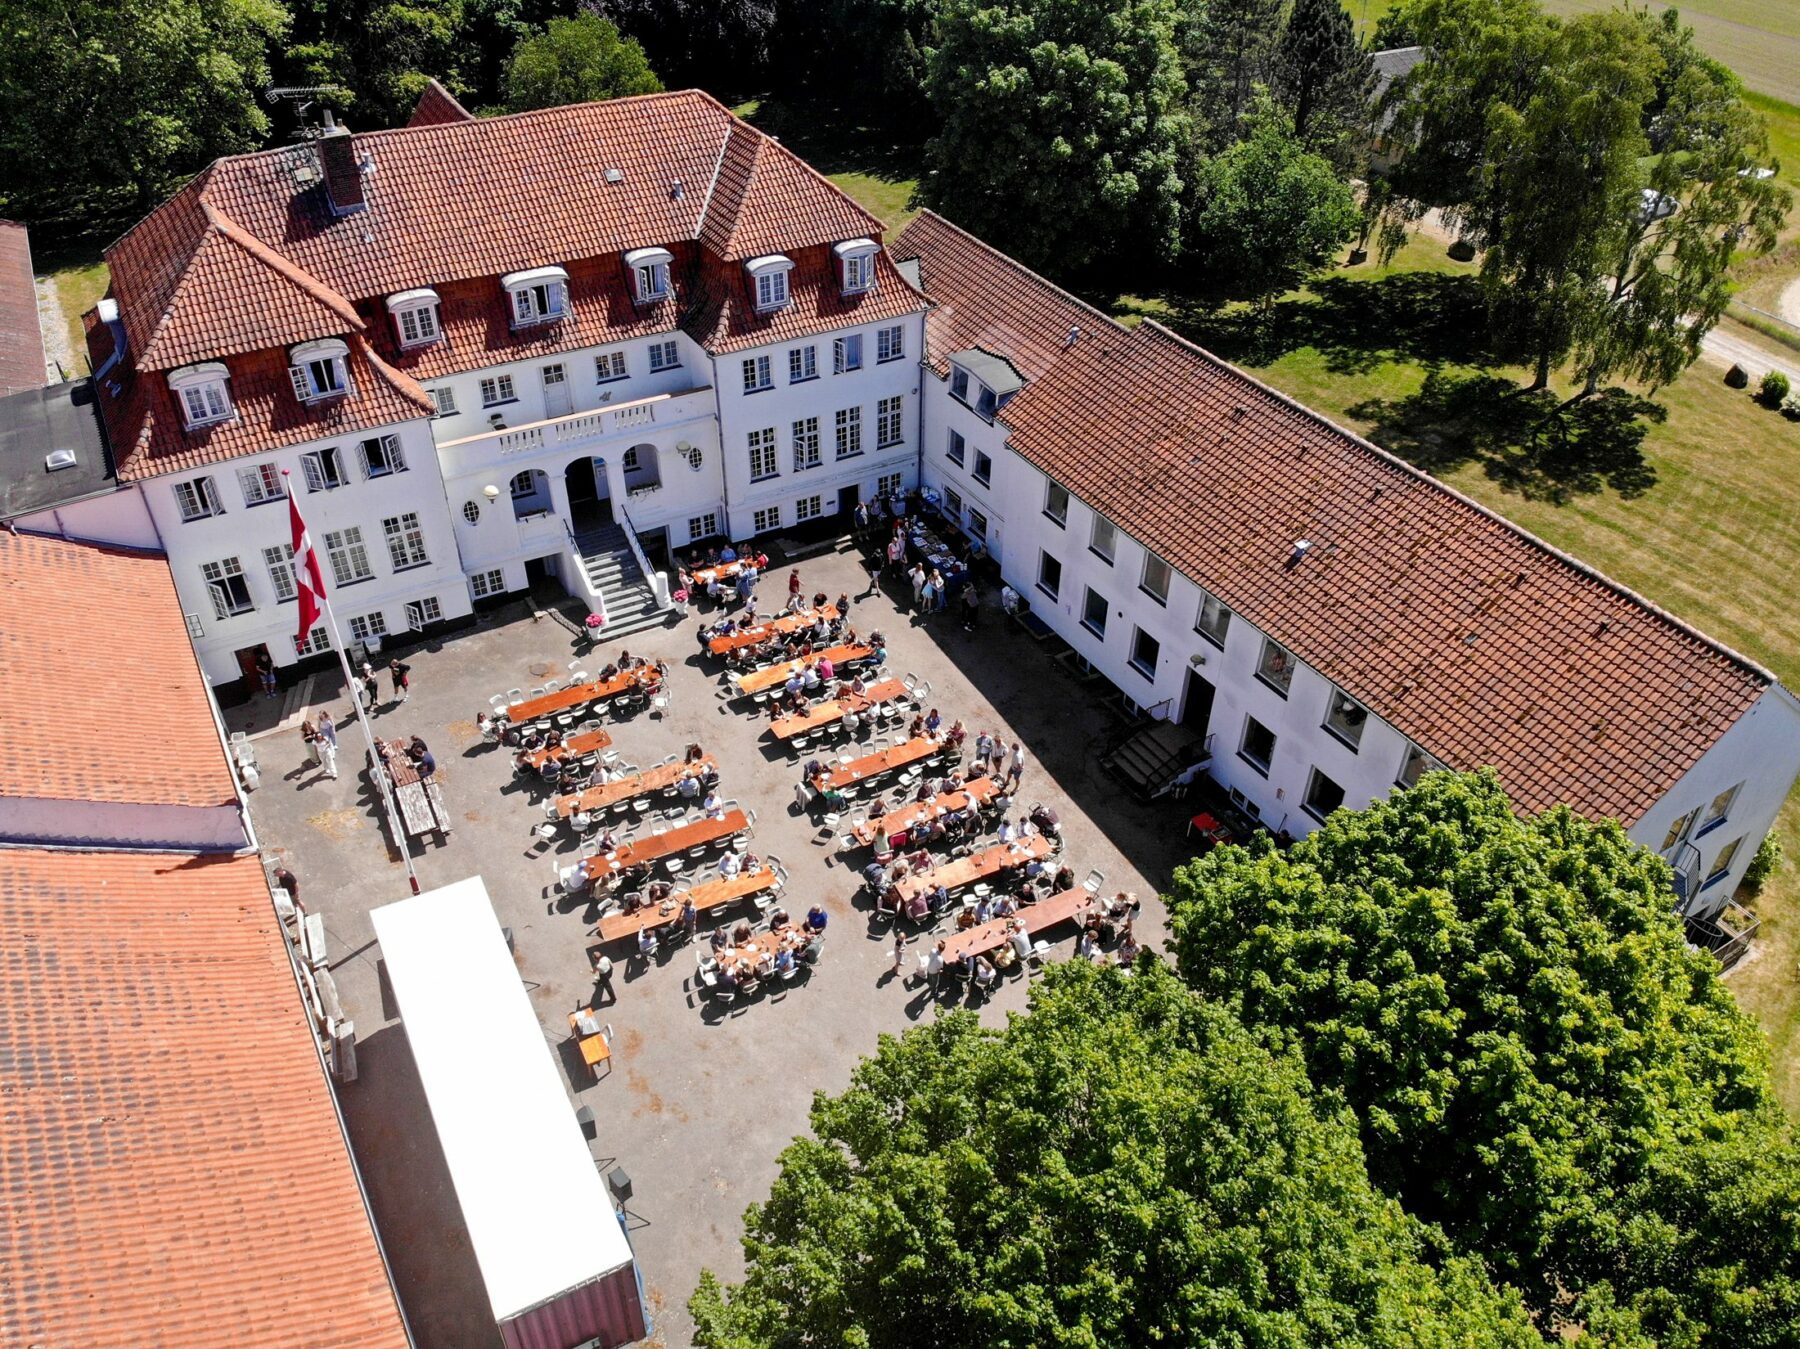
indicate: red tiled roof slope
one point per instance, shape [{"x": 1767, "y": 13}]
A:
[
  {"x": 75, "y": 725},
  {"x": 436, "y": 106},
  {"x": 172, "y": 1167},
  {"x": 725, "y": 318},
  {"x": 22, "y": 360},
  {"x": 764, "y": 199}
]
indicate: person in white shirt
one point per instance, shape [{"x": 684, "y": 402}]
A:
[
  {"x": 730, "y": 864},
  {"x": 714, "y": 810}
]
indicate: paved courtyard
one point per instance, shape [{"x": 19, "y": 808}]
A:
[{"x": 698, "y": 1102}]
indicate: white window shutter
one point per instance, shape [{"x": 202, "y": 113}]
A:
[
  {"x": 315, "y": 477},
  {"x": 209, "y": 492},
  {"x": 217, "y": 591},
  {"x": 521, "y": 305},
  {"x": 302, "y": 387},
  {"x": 362, "y": 462},
  {"x": 395, "y": 458}
]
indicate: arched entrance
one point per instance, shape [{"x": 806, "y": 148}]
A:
[{"x": 590, "y": 495}]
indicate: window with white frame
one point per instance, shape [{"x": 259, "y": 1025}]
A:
[
  {"x": 484, "y": 584},
  {"x": 1345, "y": 717},
  {"x": 197, "y": 498},
  {"x": 415, "y": 317},
  {"x": 769, "y": 517},
  {"x": 472, "y": 511},
  {"x": 1103, "y": 540},
  {"x": 1678, "y": 831},
  {"x": 1322, "y": 796},
  {"x": 443, "y": 400},
  {"x": 1721, "y": 866},
  {"x": 629, "y": 461},
  {"x": 609, "y": 367},
  {"x": 978, "y": 523},
  {"x": 846, "y": 353},
  {"x": 280, "y": 562},
  {"x": 769, "y": 280},
  {"x": 1212, "y": 619},
  {"x": 262, "y": 482},
  {"x": 323, "y": 469},
  {"x": 497, "y": 389},
  {"x": 888, "y": 484},
  {"x": 890, "y": 344},
  {"x": 664, "y": 356},
  {"x": 363, "y": 627},
  {"x": 1154, "y": 580},
  {"x": 1056, "y": 504},
  {"x": 803, "y": 364},
  {"x": 381, "y": 456},
  {"x": 421, "y": 612},
  {"x": 225, "y": 583},
  {"x": 523, "y": 485},
  {"x": 1145, "y": 652},
  {"x": 1275, "y": 667},
  {"x": 984, "y": 468},
  {"x": 762, "y": 454},
  {"x": 540, "y": 295},
  {"x": 1049, "y": 578},
  {"x": 856, "y": 265},
  {"x": 756, "y": 374},
  {"x": 1719, "y": 810},
  {"x": 405, "y": 541},
  {"x": 1257, "y": 748},
  {"x": 649, "y": 269},
  {"x": 1414, "y": 764},
  {"x": 849, "y": 432},
  {"x": 806, "y": 444},
  {"x": 1094, "y": 607},
  {"x": 953, "y": 504},
  {"x": 959, "y": 384},
  {"x": 808, "y": 508},
  {"x": 202, "y": 390},
  {"x": 317, "y": 642},
  {"x": 319, "y": 370},
  {"x": 957, "y": 448},
  {"x": 349, "y": 559},
  {"x": 703, "y": 526},
  {"x": 888, "y": 430}
]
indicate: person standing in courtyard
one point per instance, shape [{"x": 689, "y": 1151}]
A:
[
  {"x": 328, "y": 744},
  {"x": 402, "y": 673},
  {"x": 874, "y": 565},
  {"x": 1015, "y": 767},
  {"x": 309, "y": 736},
  {"x": 265, "y": 672},
  {"x": 971, "y": 603},
  {"x": 286, "y": 880}
]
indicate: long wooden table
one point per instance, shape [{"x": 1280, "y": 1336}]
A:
[
  {"x": 975, "y": 867},
  {"x": 990, "y": 936},
  {"x": 874, "y": 765},
  {"x": 710, "y": 895},
  {"x": 604, "y": 794},
  {"x": 979, "y": 792},
  {"x": 648, "y": 849},
  {"x": 578, "y": 695},
  {"x": 586, "y": 742},
  {"x": 772, "y": 676},
  {"x": 743, "y": 960},
  {"x": 723, "y": 571},
  {"x": 833, "y": 709},
  {"x": 775, "y": 627}
]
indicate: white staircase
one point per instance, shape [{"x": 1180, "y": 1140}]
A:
[{"x": 612, "y": 569}]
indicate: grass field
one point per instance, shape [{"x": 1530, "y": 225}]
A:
[{"x": 1759, "y": 39}]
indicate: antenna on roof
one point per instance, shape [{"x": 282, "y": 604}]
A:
[{"x": 304, "y": 97}]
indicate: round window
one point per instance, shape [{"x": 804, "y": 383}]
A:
[
  {"x": 696, "y": 457},
  {"x": 472, "y": 511}
]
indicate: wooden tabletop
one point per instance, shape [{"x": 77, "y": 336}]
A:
[
  {"x": 710, "y": 895},
  {"x": 586, "y": 742},
  {"x": 833, "y": 709},
  {"x": 722, "y": 572},
  {"x": 745, "y": 958},
  {"x": 653, "y": 846},
  {"x": 731, "y": 641},
  {"x": 975, "y": 867},
  {"x": 874, "y": 765},
  {"x": 980, "y": 792},
  {"x": 592, "y": 691},
  {"x": 770, "y": 676},
  {"x": 1046, "y": 913},
  {"x": 623, "y": 789}
]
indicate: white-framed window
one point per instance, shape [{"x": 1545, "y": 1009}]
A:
[
  {"x": 485, "y": 583},
  {"x": 703, "y": 526},
  {"x": 1345, "y": 717},
  {"x": 472, "y": 511},
  {"x": 1103, "y": 540},
  {"x": 649, "y": 269},
  {"x": 1056, "y": 504},
  {"x": 349, "y": 559},
  {"x": 1719, "y": 809},
  {"x": 365, "y": 626},
  {"x": 769, "y": 280},
  {"x": 984, "y": 468},
  {"x": 1212, "y": 619},
  {"x": 1049, "y": 578},
  {"x": 262, "y": 482},
  {"x": 1721, "y": 866},
  {"x": 957, "y": 449},
  {"x": 381, "y": 456},
  {"x": 1275, "y": 667},
  {"x": 849, "y": 432},
  {"x": 1145, "y": 652},
  {"x": 1094, "y": 609},
  {"x": 953, "y": 504},
  {"x": 846, "y": 353},
  {"x": 856, "y": 265},
  {"x": 523, "y": 485},
  {"x": 888, "y": 484},
  {"x": 756, "y": 374},
  {"x": 1414, "y": 764},
  {"x": 888, "y": 422},
  {"x": 978, "y": 523},
  {"x": 205, "y": 399},
  {"x": 497, "y": 389},
  {"x": 323, "y": 469},
  {"x": 225, "y": 583},
  {"x": 415, "y": 317},
  {"x": 803, "y": 364},
  {"x": 421, "y": 612},
  {"x": 1322, "y": 796},
  {"x": 609, "y": 366},
  {"x": 540, "y": 295},
  {"x": 1257, "y": 748},
  {"x": 197, "y": 498},
  {"x": 809, "y": 508},
  {"x": 317, "y": 642},
  {"x": 319, "y": 370},
  {"x": 1678, "y": 831},
  {"x": 769, "y": 517},
  {"x": 806, "y": 444},
  {"x": 890, "y": 344},
  {"x": 405, "y": 541},
  {"x": 280, "y": 562},
  {"x": 664, "y": 356},
  {"x": 1154, "y": 579},
  {"x": 443, "y": 400},
  {"x": 629, "y": 460},
  {"x": 762, "y": 454},
  {"x": 959, "y": 384}
]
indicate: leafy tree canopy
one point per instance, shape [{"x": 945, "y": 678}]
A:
[
  {"x": 1228, "y": 49},
  {"x": 1324, "y": 78},
  {"x": 1123, "y": 1166},
  {"x": 381, "y": 51},
  {"x": 576, "y": 61},
  {"x": 1537, "y": 1060}
]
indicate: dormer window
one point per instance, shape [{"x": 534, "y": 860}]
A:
[
  {"x": 538, "y": 296},
  {"x": 320, "y": 370},
  {"x": 983, "y": 381},
  {"x": 769, "y": 275},
  {"x": 856, "y": 265},
  {"x": 415, "y": 317},
  {"x": 649, "y": 268},
  {"x": 201, "y": 389}
]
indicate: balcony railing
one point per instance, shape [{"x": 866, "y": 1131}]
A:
[{"x": 577, "y": 429}]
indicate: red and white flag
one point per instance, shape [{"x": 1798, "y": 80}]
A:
[{"x": 307, "y": 576}]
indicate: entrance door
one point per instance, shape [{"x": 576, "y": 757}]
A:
[
  {"x": 557, "y": 398},
  {"x": 246, "y": 659},
  {"x": 1196, "y": 703},
  {"x": 847, "y": 499}
]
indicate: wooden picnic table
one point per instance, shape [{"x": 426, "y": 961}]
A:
[
  {"x": 653, "y": 846},
  {"x": 874, "y": 765},
  {"x": 975, "y": 867},
  {"x": 710, "y": 895},
  {"x": 991, "y": 935},
  {"x": 833, "y": 709},
  {"x": 722, "y": 571},
  {"x": 604, "y": 794},
  {"x": 979, "y": 792},
  {"x": 419, "y": 799},
  {"x": 775, "y": 627},
  {"x": 771, "y": 676},
  {"x": 584, "y": 742},
  {"x": 578, "y": 695}
]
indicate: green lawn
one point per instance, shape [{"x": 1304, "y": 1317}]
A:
[{"x": 1759, "y": 39}]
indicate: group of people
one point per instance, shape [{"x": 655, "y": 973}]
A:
[
  {"x": 741, "y": 584},
  {"x": 414, "y": 752},
  {"x": 741, "y": 956}
]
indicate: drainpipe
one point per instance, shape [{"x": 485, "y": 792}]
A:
[{"x": 724, "y": 468}]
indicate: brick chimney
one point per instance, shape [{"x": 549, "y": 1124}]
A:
[{"x": 337, "y": 162}]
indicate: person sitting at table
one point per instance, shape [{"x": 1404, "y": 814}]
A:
[
  {"x": 916, "y": 729},
  {"x": 727, "y": 977},
  {"x": 937, "y": 899},
  {"x": 965, "y": 919},
  {"x": 646, "y": 941},
  {"x": 816, "y": 918},
  {"x": 784, "y": 962},
  {"x": 1007, "y": 833},
  {"x": 720, "y": 939},
  {"x": 824, "y": 670},
  {"x": 809, "y": 679},
  {"x": 1026, "y": 893},
  {"x": 713, "y": 589},
  {"x": 932, "y": 722},
  {"x": 778, "y": 918},
  {"x": 984, "y": 908},
  {"x": 1063, "y": 880},
  {"x": 635, "y": 876},
  {"x": 1005, "y": 906},
  {"x": 551, "y": 771},
  {"x": 1087, "y": 946},
  {"x": 740, "y": 932},
  {"x": 711, "y": 805},
  {"x": 1019, "y": 939},
  {"x": 1128, "y": 945},
  {"x": 957, "y": 733},
  {"x": 730, "y": 864},
  {"x": 999, "y": 803}
]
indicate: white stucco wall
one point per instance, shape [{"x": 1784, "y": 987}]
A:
[{"x": 119, "y": 517}]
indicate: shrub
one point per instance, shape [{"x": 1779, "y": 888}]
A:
[
  {"x": 1737, "y": 378},
  {"x": 1773, "y": 390},
  {"x": 1762, "y": 866},
  {"x": 1462, "y": 251},
  {"x": 1791, "y": 408}
]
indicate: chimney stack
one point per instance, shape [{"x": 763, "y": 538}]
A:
[{"x": 337, "y": 162}]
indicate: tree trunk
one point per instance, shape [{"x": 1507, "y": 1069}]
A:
[{"x": 1542, "y": 379}]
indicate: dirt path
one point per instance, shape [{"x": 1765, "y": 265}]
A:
[
  {"x": 1789, "y": 307},
  {"x": 55, "y": 328},
  {"x": 1729, "y": 349}
]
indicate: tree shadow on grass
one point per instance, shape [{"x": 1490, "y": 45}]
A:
[{"x": 1525, "y": 440}]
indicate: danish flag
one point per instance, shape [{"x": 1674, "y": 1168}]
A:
[{"x": 307, "y": 576}]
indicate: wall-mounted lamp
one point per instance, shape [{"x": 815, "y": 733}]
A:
[{"x": 491, "y": 492}]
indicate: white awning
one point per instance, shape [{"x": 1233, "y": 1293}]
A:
[
  {"x": 412, "y": 299},
  {"x": 648, "y": 257},
  {"x": 769, "y": 262},
  {"x": 855, "y": 248},
  {"x": 537, "y": 276}
]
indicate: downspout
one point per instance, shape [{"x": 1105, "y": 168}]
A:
[{"x": 724, "y": 458}]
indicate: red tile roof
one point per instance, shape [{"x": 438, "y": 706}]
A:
[
  {"x": 172, "y": 1167},
  {"x": 436, "y": 106},
  {"x": 134, "y": 726},
  {"x": 765, "y": 199},
  {"x": 1477, "y": 641},
  {"x": 22, "y": 361},
  {"x": 724, "y": 318}
]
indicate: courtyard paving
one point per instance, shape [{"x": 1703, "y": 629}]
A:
[{"x": 699, "y": 1102}]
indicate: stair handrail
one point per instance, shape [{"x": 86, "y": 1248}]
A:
[
  {"x": 637, "y": 551},
  {"x": 595, "y": 598}
]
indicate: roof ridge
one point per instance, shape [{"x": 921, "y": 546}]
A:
[
  {"x": 1395, "y": 463},
  {"x": 401, "y": 382},
  {"x": 810, "y": 171},
  {"x": 932, "y": 217},
  {"x": 545, "y": 114},
  {"x": 713, "y": 182}
]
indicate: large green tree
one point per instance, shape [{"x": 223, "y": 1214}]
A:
[
  {"x": 1324, "y": 78},
  {"x": 1228, "y": 49},
  {"x": 576, "y": 61},
  {"x": 105, "y": 104},
  {"x": 1062, "y": 127},
  {"x": 1538, "y": 1061},
  {"x": 1123, "y": 1166},
  {"x": 381, "y": 51}
]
